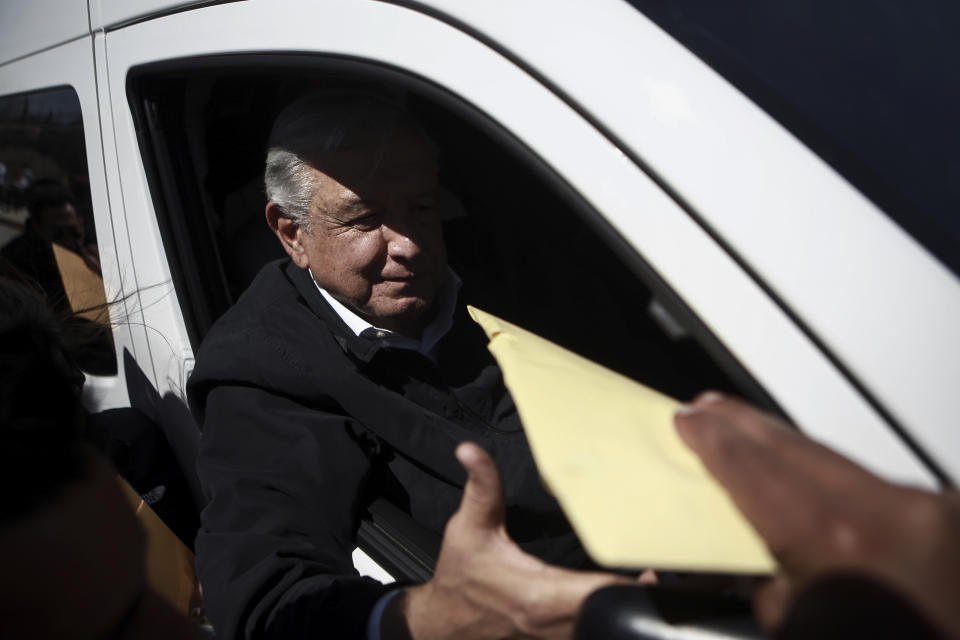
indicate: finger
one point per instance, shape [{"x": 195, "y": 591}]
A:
[
  {"x": 649, "y": 576},
  {"x": 750, "y": 420},
  {"x": 771, "y": 600},
  {"x": 751, "y": 471},
  {"x": 764, "y": 467},
  {"x": 565, "y": 590},
  {"x": 725, "y": 443},
  {"x": 482, "y": 504},
  {"x": 789, "y": 447}
]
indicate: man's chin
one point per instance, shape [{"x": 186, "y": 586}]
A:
[{"x": 405, "y": 315}]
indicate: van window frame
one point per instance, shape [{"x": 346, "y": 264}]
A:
[{"x": 179, "y": 250}]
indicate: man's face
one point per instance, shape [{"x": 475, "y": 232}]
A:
[{"x": 376, "y": 243}]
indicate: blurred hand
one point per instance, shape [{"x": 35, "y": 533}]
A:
[
  {"x": 819, "y": 513},
  {"x": 485, "y": 586}
]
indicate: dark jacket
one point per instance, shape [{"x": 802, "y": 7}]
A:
[{"x": 305, "y": 423}]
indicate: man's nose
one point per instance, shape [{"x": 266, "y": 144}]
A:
[{"x": 402, "y": 237}]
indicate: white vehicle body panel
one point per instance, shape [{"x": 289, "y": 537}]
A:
[
  {"x": 34, "y": 25},
  {"x": 107, "y": 14},
  {"x": 875, "y": 297},
  {"x": 72, "y": 65},
  {"x": 756, "y": 330}
]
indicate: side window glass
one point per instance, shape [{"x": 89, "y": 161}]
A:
[
  {"x": 524, "y": 246},
  {"x": 47, "y": 235}
]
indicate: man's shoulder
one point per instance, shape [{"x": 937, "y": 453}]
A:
[
  {"x": 271, "y": 290},
  {"x": 268, "y": 305},
  {"x": 272, "y": 335}
]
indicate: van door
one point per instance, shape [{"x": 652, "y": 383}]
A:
[{"x": 52, "y": 154}]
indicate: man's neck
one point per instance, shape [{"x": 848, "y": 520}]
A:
[{"x": 423, "y": 337}]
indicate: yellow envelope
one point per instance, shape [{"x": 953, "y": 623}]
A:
[{"x": 607, "y": 448}]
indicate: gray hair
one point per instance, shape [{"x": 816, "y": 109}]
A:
[
  {"x": 319, "y": 123},
  {"x": 290, "y": 185}
]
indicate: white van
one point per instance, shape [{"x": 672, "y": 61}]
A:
[{"x": 762, "y": 200}]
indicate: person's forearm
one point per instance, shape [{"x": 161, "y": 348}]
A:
[{"x": 430, "y": 615}]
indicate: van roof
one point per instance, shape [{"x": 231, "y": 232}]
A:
[{"x": 27, "y": 27}]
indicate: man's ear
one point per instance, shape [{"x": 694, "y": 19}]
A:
[{"x": 289, "y": 234}]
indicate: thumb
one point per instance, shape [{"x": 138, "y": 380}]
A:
[{"x": 482, "y": 504}]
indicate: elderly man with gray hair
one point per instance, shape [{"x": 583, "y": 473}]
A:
[{"x": 349, "y": 372}]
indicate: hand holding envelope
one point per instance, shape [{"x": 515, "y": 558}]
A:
[{"x": 608, "y": 449}]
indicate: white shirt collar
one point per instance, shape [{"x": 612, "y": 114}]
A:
[{"x": 432, "y": 333}]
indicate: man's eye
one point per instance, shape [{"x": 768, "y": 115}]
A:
[{"x": 366, "y": 222}]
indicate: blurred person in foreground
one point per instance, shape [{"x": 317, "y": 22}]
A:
[
  {"x": 72, "y": 551},
  {"x": 859, "y": 556}
]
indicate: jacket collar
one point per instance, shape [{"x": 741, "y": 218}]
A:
[
  {"x": 358, "y": 348},
  {"x": 365, "y": 346}
]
